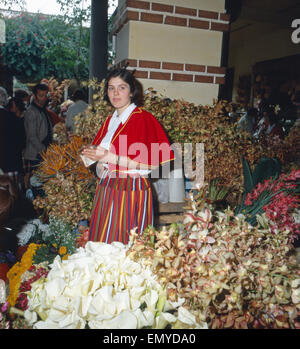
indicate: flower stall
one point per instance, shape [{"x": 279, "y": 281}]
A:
[
  {"x": 69, "y": 186},
  {"x": 229, "y": 265},
  {"x": 214, "y": 270}
]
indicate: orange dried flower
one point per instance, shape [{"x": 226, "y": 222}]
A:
[{"x": 62, "y": 250}]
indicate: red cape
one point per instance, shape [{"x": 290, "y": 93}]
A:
[{"x": 141, "y": 138}]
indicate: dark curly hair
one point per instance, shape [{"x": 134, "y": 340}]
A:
[{"x": 39, "y": 86}]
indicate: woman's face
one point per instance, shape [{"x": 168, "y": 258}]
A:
[{"x": 119, "y": 94}]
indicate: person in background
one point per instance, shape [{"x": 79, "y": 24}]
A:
[
  {"x": 248, "y": 121},
  {"x": 253, "y": 114},
  {"x": 23, "y": 95},
  {"x": 8, "y": 198},
  {"x": 12, "y": 137},
  {"x": 38, "y": 128},
  {"x": 15, "y": 212},
  {"x": 262, "y": 122},
  {"x": 273, "y": 126},
  {"x": 16, "y": 105},
  {"x": 64, "y": 108},
  {"x": 233, "y": 115},
  {"x": 123, "y": 198},
  {"x": 16, "y": 141},
  {"x": 79, "y": 106},
  {"x": 54, "y": 117}
]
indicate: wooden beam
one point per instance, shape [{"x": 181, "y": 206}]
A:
[{"x": 172, "y": 207}]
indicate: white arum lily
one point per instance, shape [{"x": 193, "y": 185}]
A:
[
  {"x": 151, "y": 299},
  {"x": 99, "y": 286},
  {"x": 125, "y": 320},
  {"x": 173, "y": 305},
  {"x": 145, "y": 318},
  {"x": 163, "y": 320},
  {"x": 186, "y": 317},
  {"x": 30, "y": 316},
  {"x": 54, "y": 288}
]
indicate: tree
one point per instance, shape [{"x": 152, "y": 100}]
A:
[
  {"x": 80, "y": 11},
  {"x": 40, "y": 47},
  {"x": 48, "y": 46},
  {"x": 9, "y": 3}
]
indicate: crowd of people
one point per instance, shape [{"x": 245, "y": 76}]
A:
[
  {"x": 269, "y": 118},
  {"x": 26, "y": 126},
  {"x": 26, "y": 130},
  {"x": 264, "y": 123}
]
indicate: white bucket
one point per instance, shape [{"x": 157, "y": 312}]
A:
[
  {"x": 161, "y": 187},
  {"x": 176, "y": 186}
]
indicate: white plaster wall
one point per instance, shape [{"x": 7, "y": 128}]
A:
[
  {"x": 193, "y": 92},
  {"x": 122, "y": 43},
  {"x": 159, "y": 42}
]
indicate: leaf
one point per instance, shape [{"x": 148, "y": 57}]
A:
[
  {"x": 248, "y": 179},
  {"x": 265, "y": 169}
]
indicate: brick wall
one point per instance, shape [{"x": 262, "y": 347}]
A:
[
  {"x": 174, "y": 49},
  {"x": 175, "y": 71},
  {"x": 149, "y": 11}
]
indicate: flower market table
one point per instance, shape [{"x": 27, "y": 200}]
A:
[{"x": 170, "y": 212}]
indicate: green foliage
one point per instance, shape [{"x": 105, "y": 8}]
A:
[
  {"x": 248, "y": 178},
  {"x": 41, "y": 47},
  {"x": 59, "y": 240},
  {"x": 216, "y": 192},
  {"x": 9, "y": 3},
  {"x": 75, "y": 11},
  {"x": 265, "y": 169}
]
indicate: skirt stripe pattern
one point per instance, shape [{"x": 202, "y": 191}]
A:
[{"x": 120, "y": 204}]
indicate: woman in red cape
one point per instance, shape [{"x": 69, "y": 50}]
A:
[{"x": 129, "y": 145}]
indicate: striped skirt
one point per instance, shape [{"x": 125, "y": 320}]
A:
[{"x": 120, "y": 204}]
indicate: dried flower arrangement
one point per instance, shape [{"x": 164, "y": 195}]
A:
[
  {"x": 232, "y": 275},
  {"x": 68, "y": 185}
]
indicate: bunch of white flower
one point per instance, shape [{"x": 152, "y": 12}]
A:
[
  {"x": 30, "y": 229},
  {"x": 101, "y": 287}
]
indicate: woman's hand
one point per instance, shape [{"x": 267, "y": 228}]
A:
[{"x": 95, "y": 153}]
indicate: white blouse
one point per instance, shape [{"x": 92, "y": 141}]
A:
[{"x": 114, "y": 123}]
